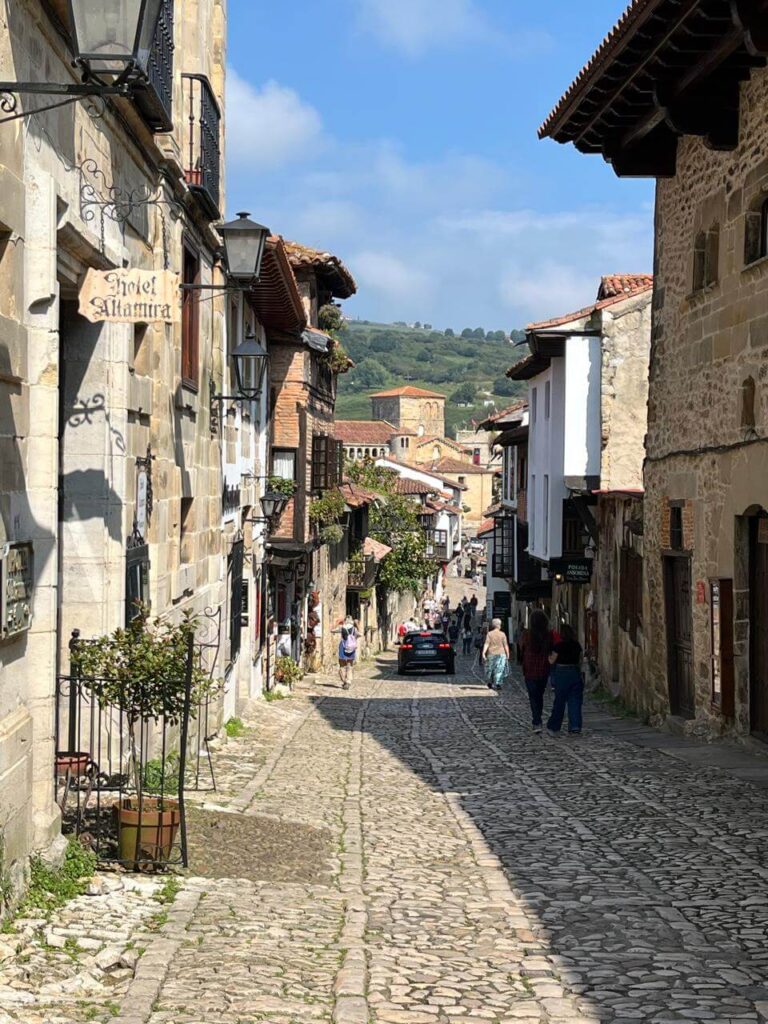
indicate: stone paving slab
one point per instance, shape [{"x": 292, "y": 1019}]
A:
[{"x": 410, "y": 853}]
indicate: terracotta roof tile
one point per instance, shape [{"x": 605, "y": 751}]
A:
[
  {"x": 637, "y": 11},
  {"x": 356, "y": 496},
  {"x": 644, "y": 283},
  {"x": 441, "y": 440},
  {"x": 487, "y": 526},
  {"x": 505, "y": 414},
  {"x": 426, "y": 469},
  {"x": 448, "y": 465},
  {"x": 407, "y": 392},
  {"x": 364, "y": 431},
  {"x": 375, "y": 548},
  {"x": 325, "y": 264},
  {"x": 623, "y": 284},
  {"x": 404, "y": 485}
]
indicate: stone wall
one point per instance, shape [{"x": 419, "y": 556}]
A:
[
  {"x": 109, "y": 391},
  {"x": 704, "y": 445},
  {"x": 424, "y": 417}
]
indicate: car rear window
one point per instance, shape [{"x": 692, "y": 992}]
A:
[{"x": 425, "y": 640}]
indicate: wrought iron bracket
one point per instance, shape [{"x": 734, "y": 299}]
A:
[{"x": 72, "y": 91}]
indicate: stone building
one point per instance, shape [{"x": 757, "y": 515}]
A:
[
  {"x": 308, "y": 576},
  {"x": 372, "y": 439},
  {"x": 111, "y": 487},
  {"x": 587, "y": 380},
  {"x": 411, "y": 409},
  {"x": 682, "y": 96}
]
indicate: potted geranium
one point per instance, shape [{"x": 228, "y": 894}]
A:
[{"x": 143, "y": 670}]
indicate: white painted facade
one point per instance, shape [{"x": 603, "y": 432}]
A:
[
  {"x": 547, "y": 400},
  {"x": 581, "y": 442}
]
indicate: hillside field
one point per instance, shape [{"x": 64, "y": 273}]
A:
[{"x": 468, "y": 371}]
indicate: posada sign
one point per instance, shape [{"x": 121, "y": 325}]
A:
[{"x": 130, "y": 296}]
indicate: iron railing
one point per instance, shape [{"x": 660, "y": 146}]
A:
[
  {"x": 202, "y": 162},
  {"x": 362, "y": 571},
  {"x": 155, "y": 101},
  {"x": 109, "y": 769}
]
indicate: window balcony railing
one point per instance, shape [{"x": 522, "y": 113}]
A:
[
  {"x": 155, "y": 102},
  {"x": 202, "y": 160},
  {"x": 362, "y": 571}
]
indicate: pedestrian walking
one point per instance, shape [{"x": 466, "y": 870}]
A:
[
  {"x": 473, "y": 605},
  {"x": 453, "y": 630},
  {"x": 347, "y": 650},
  {"x": 496, "y": 656},
  {"x": 466, "y": 636},
  {"x": 568, "y": 683},
  {"x": 536, "y": 644}
]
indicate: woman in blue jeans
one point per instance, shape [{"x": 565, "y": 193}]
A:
[
  {"x": 536, "y": 645},
  {"x": 568, "y": 683}
]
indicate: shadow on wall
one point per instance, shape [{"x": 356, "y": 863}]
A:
[{"x": 603, "y": 843}]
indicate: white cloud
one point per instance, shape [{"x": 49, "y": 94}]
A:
[
  {"x": 397, "y": 280},
  {"x": 414, "y": 26},
  {"x": 547, "y": 288},
  {"x": 269, "y": 126}
]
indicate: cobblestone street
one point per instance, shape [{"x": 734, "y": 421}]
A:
[{"x": 410, "y": 853}]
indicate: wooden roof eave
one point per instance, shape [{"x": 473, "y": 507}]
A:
[{"x": 684, "y": 82}]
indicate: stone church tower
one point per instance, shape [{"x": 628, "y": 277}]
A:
[{"x": 411, "y": 410}]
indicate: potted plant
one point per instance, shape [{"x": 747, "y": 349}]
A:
[
  {"x": 143, "y": 670},
  {"x": 287, "y": 671}
]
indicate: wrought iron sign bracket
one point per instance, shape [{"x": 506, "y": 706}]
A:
[{"x": 91, "y": 86}]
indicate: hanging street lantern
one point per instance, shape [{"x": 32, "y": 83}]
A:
[
  {"x": 272, "y": 504},
  {"x": 250, "y": 362},
  {"x": 244, "y": 244},
  {"x": 114, "y": 37},
  {"x": 111, "y": 40}
]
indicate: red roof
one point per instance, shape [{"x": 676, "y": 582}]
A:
[
  {"x": 403, "y": 485},
  {"x": 447, "y": 465},
  {"x": 407, "y": 392},
  {"x": 442, "y": 440},
  {"x": 487, "y": 526},
  {"x": 364, "y": 431},
  {"x": 356, "y": 496},
  {"x": 375, "y": 548},
  {"x": 623, "y": 284},
  {"x": 325, "y": 265},
  {"x": 426, "y": 469},
  {"x": 500, "y": 417},
  {"x": 642, "y": 283},
  {"x": 637, "y": 11}
]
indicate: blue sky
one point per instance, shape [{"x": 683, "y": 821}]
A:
[{"x": 401, "y": 135}]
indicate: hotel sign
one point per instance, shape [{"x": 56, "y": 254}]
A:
[
  {"x": 570, "y": 570},
  {"x": 130, "y": 296}
]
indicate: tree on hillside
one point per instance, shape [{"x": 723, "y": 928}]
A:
[
  {"x": 370, "y": 374},
  {"x": 467, "y": 332},
  {"x": 381, "y": 342},
  {"x": 516, "y": 336},
  {"x": 505, "y": 386},
  {"x": 427, "y": 327},
  {"x": 449, "y": 333},
  {"x": 464, "y": 394},
  {"x": 479, "y": 333}
]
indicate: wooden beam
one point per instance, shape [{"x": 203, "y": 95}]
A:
[{"x": 655, "y": 156}]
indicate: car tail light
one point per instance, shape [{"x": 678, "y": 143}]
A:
[
  {"x": 406, "y": 647},
  {"x": 444, "y": 647}
]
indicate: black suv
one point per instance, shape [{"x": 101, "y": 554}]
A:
[{"x": 429, "y": 648}]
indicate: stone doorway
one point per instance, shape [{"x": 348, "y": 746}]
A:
[
  {"x": 758, "y": 624},
  {"x": 678, "y": 604}
]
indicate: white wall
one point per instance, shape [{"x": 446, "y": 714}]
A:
[
  {"x": 546, "y": 442},
  {"x": 583, "y": 358}
]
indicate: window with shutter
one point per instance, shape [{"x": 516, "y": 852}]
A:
[
  {"x": 190, "y": 321},
  {"x": 756, "y": 232},
  {"x": 319, "y": 462},
  {"x": 630, "y": 592}
]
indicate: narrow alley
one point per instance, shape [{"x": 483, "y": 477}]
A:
[{"x": 430, "y": 860}]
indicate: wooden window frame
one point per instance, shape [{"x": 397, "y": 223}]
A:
[
  {"x": 721, "y": 633},
  {"x": 190, "y": 320},
  {"x": 631, "y": 592}
]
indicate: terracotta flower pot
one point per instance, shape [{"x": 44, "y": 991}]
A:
[
  {"x": 155, "y": 840},
  {"x": 76, "y": 764}
]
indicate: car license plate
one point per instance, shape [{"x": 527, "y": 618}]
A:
[{"x": 425, "y": 652}]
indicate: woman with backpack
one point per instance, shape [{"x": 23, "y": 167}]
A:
[
  {"x": 536, "y": 645},
  {"x": 347, "y": 650}
]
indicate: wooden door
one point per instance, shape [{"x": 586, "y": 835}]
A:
[
  {"x": 758, "y": 631},
  {"x": 677, "y": 599}
]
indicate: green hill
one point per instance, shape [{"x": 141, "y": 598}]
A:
[{"x": 470, "y": 371}]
